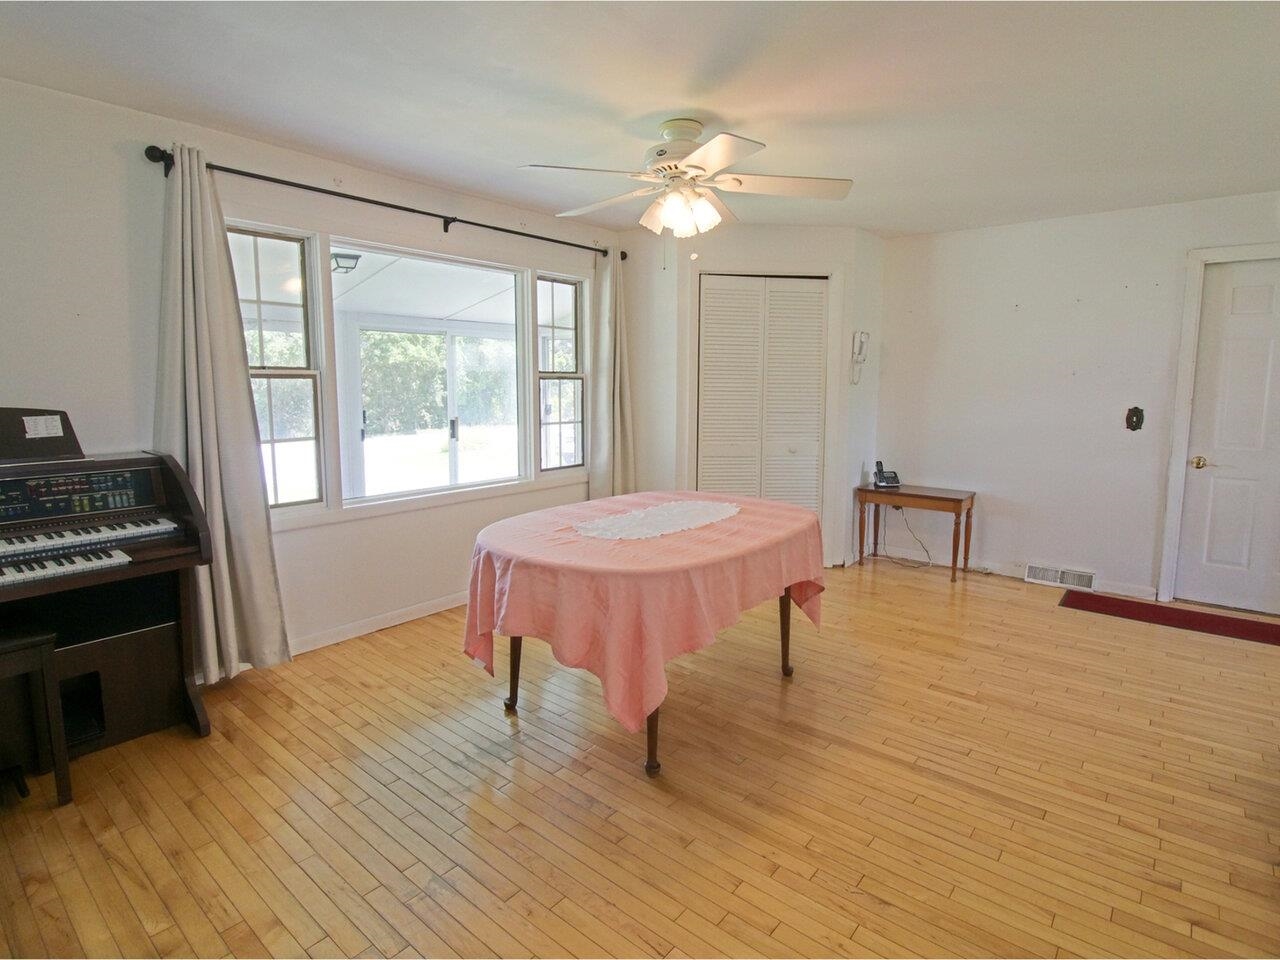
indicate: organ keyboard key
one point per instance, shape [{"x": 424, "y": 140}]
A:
[
  {"x": 62, "y": 541},
  {"x": 61, "y": 566}
]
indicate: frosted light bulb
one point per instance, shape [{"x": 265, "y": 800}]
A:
[
  {"x": 676, "y": 215},
  {"x": 675, "y": 209},
  {"x": 705, "y": 216}
]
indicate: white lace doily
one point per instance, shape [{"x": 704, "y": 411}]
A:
[{"x": 654, "y": 521}]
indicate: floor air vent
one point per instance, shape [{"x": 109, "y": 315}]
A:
[{"x": 1058, "y": 577}]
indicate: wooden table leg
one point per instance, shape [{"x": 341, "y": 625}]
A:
[
  {"x": 862, "y": 529},
  {"x": 968, "y": 534},
  {"x": 651, "y": 765},
  {"x": 784, "y": 629},
  {"x": 510, "y": 702},
  {"x": 875, "y": 530},
  {"x": 955, "y": 546}
]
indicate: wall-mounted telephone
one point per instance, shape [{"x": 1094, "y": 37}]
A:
[
  {"x": 885, "y": 478},
  {"x": 859, "y": 355}
]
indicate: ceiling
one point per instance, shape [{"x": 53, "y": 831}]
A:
[
  {"x": 944, "y": 115},
  {"x": 384, "y": 283}
]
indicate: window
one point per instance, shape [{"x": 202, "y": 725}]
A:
[
  {"x": 427, "y": 373},
  {"x": 429, "y": 352},
  {"x": 560, "y": 381},
  {"x": 271, "y": 281}
]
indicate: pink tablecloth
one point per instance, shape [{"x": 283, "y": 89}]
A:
[{"x": 622, "y": 608}]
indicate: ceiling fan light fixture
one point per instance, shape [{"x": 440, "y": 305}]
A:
[
  {"x": 705, "y": 216},
  {"x": 675, "y": 211},
  {"x": 686, "y": 178},
  {"x": 652, "y": 219}
]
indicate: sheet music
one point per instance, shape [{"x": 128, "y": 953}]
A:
[{"x": 45, "y": 426}]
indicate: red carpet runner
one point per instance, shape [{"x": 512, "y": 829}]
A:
[{"x": 1260, "y": 631}]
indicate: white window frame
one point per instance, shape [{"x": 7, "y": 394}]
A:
[
  {"x": 312, "y": 330},
  {"x": 333, "y": 375},
  {"x": 578, "y": 373}
]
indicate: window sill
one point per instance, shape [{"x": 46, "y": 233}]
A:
[{"x": 319, "y": 515}]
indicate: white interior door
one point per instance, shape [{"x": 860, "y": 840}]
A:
[{"x": 1229, "y": 549}]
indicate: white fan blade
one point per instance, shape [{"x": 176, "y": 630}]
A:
[
  {"x": 816, "y": 188},
  {"x": 601, "y": 204},
  {"x": 652, "y": 219},
  {"x": 647, "y": 177},
  {"x": 722, "y": 150},
  {"x": 726, "y": 215}
]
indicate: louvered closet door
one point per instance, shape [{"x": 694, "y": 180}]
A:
[
  {"x": 794, "y": 388},
  {"x": 761, "y": 364},
  {"x": 730, "y": 384}
]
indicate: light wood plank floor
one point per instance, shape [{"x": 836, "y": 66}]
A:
[{"x": 953, "y": 770}]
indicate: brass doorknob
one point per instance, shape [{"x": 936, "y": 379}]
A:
[{"x": 1199, "y": 462}]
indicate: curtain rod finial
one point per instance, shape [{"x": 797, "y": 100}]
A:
[{"x": 159, "y": 155}]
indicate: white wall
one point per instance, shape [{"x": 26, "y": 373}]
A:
[
  {"x": 649, "y": 290},
  {"x": 80, "y": 243},
  {"x": 1010, "y": 357}
]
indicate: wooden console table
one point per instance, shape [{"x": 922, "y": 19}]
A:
[{"x": 954, "y": 502}]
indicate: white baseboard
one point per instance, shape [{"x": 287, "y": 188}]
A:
[
  {"x": 1016, "y": 570},
  {"x": 1125, "y": 589},
  {"x": 358, "y": 628}
]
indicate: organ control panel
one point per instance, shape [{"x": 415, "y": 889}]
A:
[{"x": 76, "y": 494}]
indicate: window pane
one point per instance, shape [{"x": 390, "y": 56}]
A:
[
  {"x": 241, "y": 245},
  {"x": 557, "y": 326},
  {"x": 563, "y": 354},
  {"x": 262, "y": 406},
  {"x": 252, "y": 332},
  {"x": 269, "y": 472},
  {"x": 564, "y": 304},
  {"x": 545, "y": 312},
  {"x": 280, "y": 273},
  {"x": 284, "y": 338},
  {"x": 569, "y": 452},
  {"x": 293, "y": 408},
  {"x": 286, "y": 412},
  {"x": 545, "y": 342},
  {"x": 296, "y": 480},
  {"x": 561, "y": 414},
  {"x": 488, "y": 431},
  {"x": 406, "y": 423},
  {"x": 436, "y": 343},
  {"x": 270, "y": 278},
  {"x": 550, "y": 446}
]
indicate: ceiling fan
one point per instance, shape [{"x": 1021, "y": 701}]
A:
[{"x": 683, "y": 176}]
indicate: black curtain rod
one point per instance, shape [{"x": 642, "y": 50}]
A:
[{"x": 159, "y": 155}]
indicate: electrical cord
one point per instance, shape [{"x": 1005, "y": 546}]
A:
[{"x": 903, "y": 561}]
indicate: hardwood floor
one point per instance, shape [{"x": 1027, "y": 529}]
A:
[{"x": 953, "y": 770}]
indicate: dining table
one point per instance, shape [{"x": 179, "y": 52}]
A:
[{"x": 622, "y": 585}]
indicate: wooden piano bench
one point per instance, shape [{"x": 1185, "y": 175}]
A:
[{"x": 31, "y": 653}]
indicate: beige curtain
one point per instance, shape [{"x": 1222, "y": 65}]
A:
[
  {"x": 205, "y": 418},
  {"x": 612, "y": 457}
]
